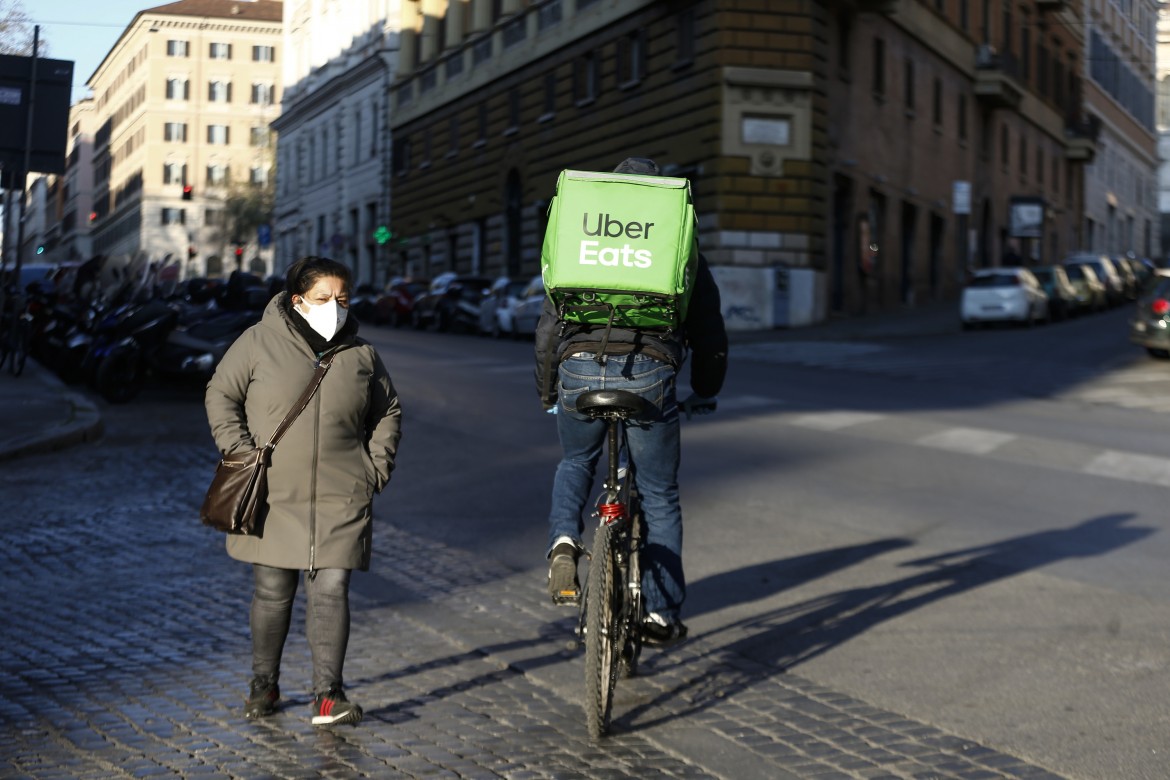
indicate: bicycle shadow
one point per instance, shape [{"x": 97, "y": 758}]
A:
[
  {"x": 780, "y": 639},
  {"x": 510, "y": 659},
  {"x": 762, "y": 580}
]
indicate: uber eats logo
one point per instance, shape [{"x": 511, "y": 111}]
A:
[{"x": 608, "y": 253}]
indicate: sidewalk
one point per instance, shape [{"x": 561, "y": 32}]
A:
[
  {"x": 927, "y": 319},
  {"x": 39, "y": 413}
]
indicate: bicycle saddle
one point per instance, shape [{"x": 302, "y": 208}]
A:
[{"x": 621, "y": 403}]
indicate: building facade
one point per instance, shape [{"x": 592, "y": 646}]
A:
[
  {"x": 1162, "y": 124},
  {"x": 1121, "y": 192},
  {"x": 77, "y": 214},
  {"x": 183, "y": 103},
  {"x": 333, "y": 137},
  {"x": 844, "y": 156}
]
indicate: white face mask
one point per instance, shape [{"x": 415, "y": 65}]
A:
[{"x": 325, "y": 318}]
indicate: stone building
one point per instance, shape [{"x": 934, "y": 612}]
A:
[
  {"x": 182, "y": 104},
  {"x": 333, "y": 138},
  {"x": 845, "y": 156},
  {"x": 1121, "y": 185}
]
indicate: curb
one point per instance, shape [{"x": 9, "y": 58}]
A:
[{"x": 83, "y": 423}]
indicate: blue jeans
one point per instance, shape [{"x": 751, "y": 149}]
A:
[{"x": 654, "y": 449}]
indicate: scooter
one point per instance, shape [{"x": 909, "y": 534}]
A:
[
  {"x": 126, "y": 347},
  {"x": 194, "y": 348}
]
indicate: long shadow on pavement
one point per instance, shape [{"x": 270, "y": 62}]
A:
[{"x": 786, "y": 637}]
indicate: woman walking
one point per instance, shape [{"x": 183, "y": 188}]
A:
[{"x": 333, "y": 459}]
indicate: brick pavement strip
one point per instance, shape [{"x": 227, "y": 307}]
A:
[{"x": 127, "y": 655}]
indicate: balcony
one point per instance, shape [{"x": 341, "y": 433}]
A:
[
  {"x": 995, "y": 79},
  {"x": 1080, "y": 138}
]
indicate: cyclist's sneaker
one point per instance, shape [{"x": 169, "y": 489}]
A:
[
  {"x": 332, "y": 708},
  {"x": 660, "y": 632},
  {"x": 263, "y": 694},
  {"x": 562, "y": 574}
]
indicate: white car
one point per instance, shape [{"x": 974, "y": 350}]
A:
[
  {"x": 507, "y": 308},
  {"x": 1003, "y": 294}
]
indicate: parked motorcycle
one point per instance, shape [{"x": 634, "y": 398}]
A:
[
  {"x": 126, "y": 344},
  {"x": 196, "y": 345}
]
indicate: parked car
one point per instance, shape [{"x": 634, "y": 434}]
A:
[
  {"x": 498, "y": 312},
  {"x": 396, "y": 302},
  {"x": 362, "y": 303},
  {"x": 527, "y": 314},
  {"x": 1149, "y": 326},
  {"x": 1129, "y": 281},
  {"x": 1141, "y": 271},
  {"x": 1062, "y": 296},
  {"x": 1003, "y": 295},
  {"x": 1106, "y": 272},
  {"x": 1091, "y": 295},
  {"x": 33, "y": 273},
  {"x": 451, "y": 303}
]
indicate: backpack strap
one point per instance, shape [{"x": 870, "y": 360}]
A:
[{"x": 600, "y": 356}]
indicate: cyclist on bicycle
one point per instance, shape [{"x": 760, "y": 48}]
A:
[{"x": 645, "y": 362}]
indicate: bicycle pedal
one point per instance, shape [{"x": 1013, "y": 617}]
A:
[{"x": 567, "y": 598}]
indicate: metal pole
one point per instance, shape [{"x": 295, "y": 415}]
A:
[
  {"x": 28, "y": 134},
  {"x": 4, "y": 226}
]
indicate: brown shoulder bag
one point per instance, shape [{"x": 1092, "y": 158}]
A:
[{"x": 239, "y": 489}]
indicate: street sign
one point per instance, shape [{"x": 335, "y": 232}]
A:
[
  {"x": 264, "y": 235},
  {"x": 961, "y": 197}
]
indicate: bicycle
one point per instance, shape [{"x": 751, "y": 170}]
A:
[{"x": 611, "y": 601}]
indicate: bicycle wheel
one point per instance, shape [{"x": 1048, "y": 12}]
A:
[{"x": 601, "y": 640}]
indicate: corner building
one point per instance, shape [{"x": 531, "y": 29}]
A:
[
  {"x": 182, "y": 104},
  {"x": 845, "y": 157}
]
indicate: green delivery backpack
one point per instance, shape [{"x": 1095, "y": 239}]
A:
[{"x": 620, "y": 250}]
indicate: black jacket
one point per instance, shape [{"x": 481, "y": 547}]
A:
[{"x": 702, "y": 332}]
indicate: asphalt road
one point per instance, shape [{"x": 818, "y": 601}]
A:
[
  {"x": 963, "y": 531},
  {"x": 967, "y": 528}
]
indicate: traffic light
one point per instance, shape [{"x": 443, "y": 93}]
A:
[
  {"x": 92, "y": 217},
  {"x": 239, "y": 251},
  {"x": 186, "y": 192},
  {"x": 191, "y": 252},
  {"x": 41, "y": 249}
]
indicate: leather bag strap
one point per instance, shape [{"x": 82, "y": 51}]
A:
[{"x": 322, "y": 366}]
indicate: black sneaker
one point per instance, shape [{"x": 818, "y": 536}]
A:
[
  {"x": 562, "y": 575},
  {"x": 263, "y": 694},
  {"x": 332, "y": 708},
  {"x": 659, "y": 632}
]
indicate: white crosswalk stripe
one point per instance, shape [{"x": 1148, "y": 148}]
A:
[
  {"x": 974, "y": 441},
  {"x": 834, "y": 421},
  {"x": 1032, "y": 451}
]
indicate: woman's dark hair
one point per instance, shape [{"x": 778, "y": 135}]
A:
[{"x": 304, "y": 273}]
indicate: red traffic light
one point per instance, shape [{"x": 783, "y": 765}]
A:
[
  {"x": 186, "y": 192},
  {"x": 93, "y": 216},
  {"x": 192, "y": 251},
  {"x": 239, "y": 251}
]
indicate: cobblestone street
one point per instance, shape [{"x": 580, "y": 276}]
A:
[{"x": 127, "y": 656}]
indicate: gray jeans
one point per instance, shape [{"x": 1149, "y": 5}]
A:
[{"x": 326, "y": 620}]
